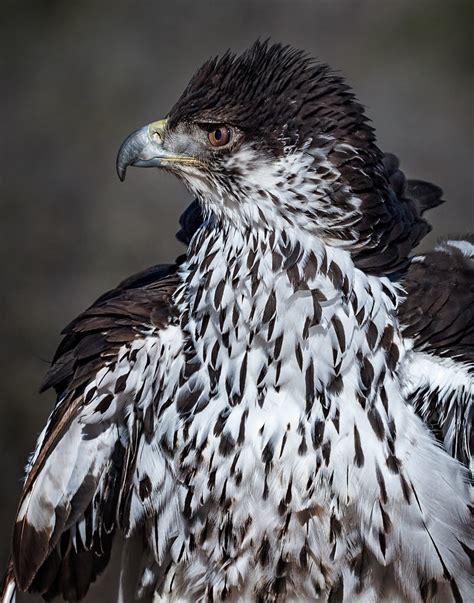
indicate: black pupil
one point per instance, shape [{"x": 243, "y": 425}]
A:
[{"x": 218, "y": 134}]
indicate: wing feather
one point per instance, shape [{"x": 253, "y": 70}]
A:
[
  {"x": 72, "y": 500},
  {"x": 438, "y": 315}
]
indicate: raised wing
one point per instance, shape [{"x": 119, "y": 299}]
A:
[
  {"x": 83, "y": 481},
  {"x": 438, "y": 315}
]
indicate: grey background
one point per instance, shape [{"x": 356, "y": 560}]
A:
[{"x": 77, "y": 77}]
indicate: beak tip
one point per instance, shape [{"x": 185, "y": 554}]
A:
[{"x": 121, "y": 170}]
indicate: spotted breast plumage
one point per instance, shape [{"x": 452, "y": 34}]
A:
[{"x": 284, "y": 413}]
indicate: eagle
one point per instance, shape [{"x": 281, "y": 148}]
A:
[{"x": 284, "y": 413}]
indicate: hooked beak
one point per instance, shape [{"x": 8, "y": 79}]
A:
[{"x": 144, "y": 148}]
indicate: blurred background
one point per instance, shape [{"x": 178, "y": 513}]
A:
[{"x": 77, "y": 77}]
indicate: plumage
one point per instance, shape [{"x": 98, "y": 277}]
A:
[
  {"x": 284, "y": 413},
  {"x": 437, "y": 313}
]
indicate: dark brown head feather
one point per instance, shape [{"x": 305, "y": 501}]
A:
[{"x": 273, "y": 93}]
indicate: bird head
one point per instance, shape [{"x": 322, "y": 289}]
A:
[{"x": 268, "y": 139}]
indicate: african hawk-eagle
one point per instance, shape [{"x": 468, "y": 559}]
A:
[{"x": 284, "y": 413}]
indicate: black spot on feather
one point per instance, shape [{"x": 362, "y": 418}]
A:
[
  {"x": 270, "y": 308},
  {"x": 359, "y": 455}
]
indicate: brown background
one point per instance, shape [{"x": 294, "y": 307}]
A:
[{"x": 77, "y": 77}]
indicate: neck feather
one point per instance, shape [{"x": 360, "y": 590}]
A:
[{"x": 295, "y": 306}]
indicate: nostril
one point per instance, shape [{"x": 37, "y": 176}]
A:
[{"x": 156, "y": 136}]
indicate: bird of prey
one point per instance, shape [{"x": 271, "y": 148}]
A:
[{"x": 284, "y": 413}]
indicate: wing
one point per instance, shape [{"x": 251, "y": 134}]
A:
[
  {"x": 438, "y": 315},
  {"x": 82, "y": 482}
]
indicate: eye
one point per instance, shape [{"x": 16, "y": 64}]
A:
[{"x": 219, "y": 136}]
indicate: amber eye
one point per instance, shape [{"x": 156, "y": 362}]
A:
[{"x": 220, "y": 136}]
